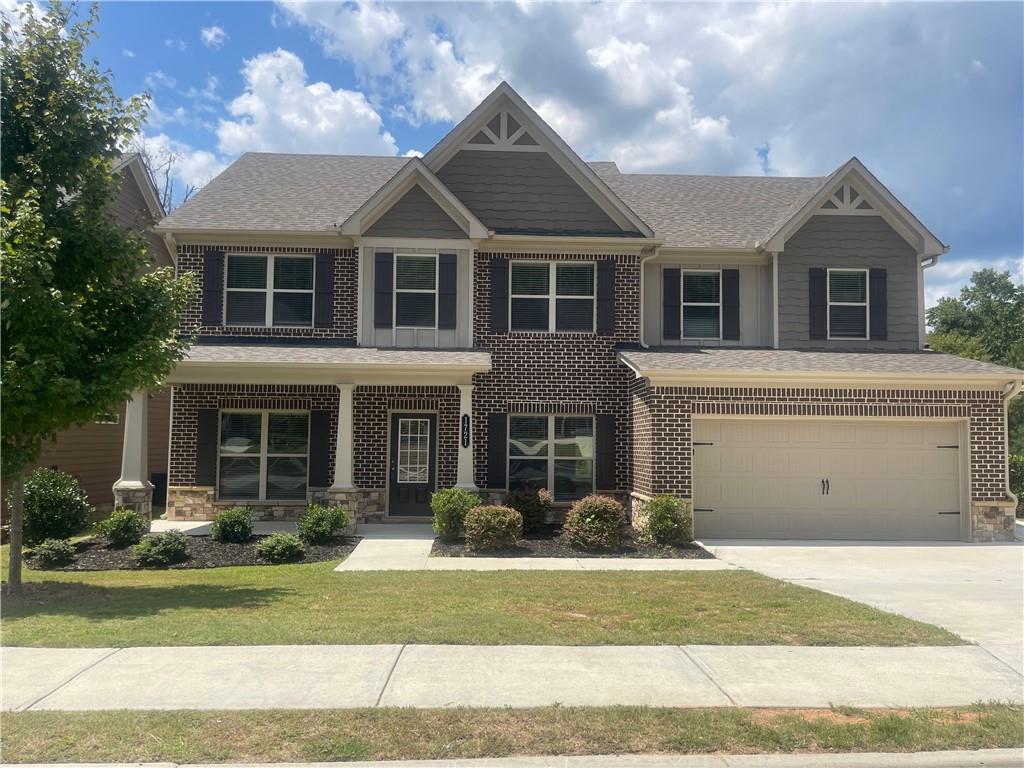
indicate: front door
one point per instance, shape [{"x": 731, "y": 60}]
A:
[{"x": 412, "y": 464}]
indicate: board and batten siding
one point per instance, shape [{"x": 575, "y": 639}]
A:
[
  {"x": 415, "y": 214},
  {"x": 851, "y": 242}
]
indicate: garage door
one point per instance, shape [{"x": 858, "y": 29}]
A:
[{"x": 811, "y": 479}]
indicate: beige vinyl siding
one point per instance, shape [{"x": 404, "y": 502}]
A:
[
  {"x": 415, "y": 214},
  {"x": 131, "y": 212}
]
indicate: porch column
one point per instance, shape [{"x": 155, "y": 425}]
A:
[
  {"x": 343, "y": 446},
  {"x": 464, "y": 476},
  {"x": 133, "y": 488}
]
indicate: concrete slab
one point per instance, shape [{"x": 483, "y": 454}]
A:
[
  {"x": 29, "y": 674},
  {"x": 779, "y": 676},
  {"x": 531, "y": 676},
  {"x": 571, "y": 564},
  {"x": 231, "y": 677}
]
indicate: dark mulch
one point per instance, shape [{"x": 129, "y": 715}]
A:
[
  {"x": 548, "y": 542},
  {"x": 96, "y": 554}
]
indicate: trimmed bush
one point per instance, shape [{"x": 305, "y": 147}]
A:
[
  {"x": 320, "y": 524},
  {"x": 233, "y": 525},
  {"x": 280, "y": 548},
  {"x": 668, "y": 521},
  {"x": 534, "y": 506},
  {"x": 53, "y": 552},
  {"x": 55, "y": 506},
  {"x": 1017, "y": 481},
  {"x": 124, "y": 527},
  {"x": 158, "y": 550},
  {"x": 492, "y": 527},
  {"x": 450, "y": 507},
  {"x": 595, "y": 522}
]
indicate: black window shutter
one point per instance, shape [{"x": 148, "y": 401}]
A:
[
  {"x": 447, "y": 289},
  {"x": 731, "y": 304},
  {"x": 879, "y": 311},
  {"x": 499, "y": 296},
  {"x": 213, "y": 288},
  {"x": 497, "y": 448},
  {"x": 206, "y": 446},
  {"x": 818, "y": 302},
  {"x": 319, "y": 444},
  {"x": 323, "y": 294},
  {"x": 606, "y": 297},
  {"x": 383, "y": 265},
  {"x": 671, "y": 304},
  {"x": 604, "y": 451}
]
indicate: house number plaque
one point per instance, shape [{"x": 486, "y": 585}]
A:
[{"x": 464, "y": 430}]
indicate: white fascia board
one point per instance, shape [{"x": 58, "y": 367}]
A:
[
  {"x": 286, "y": 373},
  {"x": 325, "y": 238}
]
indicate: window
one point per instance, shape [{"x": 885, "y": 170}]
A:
[
  {"x": 554, "y": 452},
  {"x": 263, "y": 455},
  {"x": 847, "y": 303},
  {"x": 415, "y": 291},
  {"x": 276, "y": 287},
  {"x": 569, "y": 307},
  {"x": 414, "y": 450},
  {"x": 110, "y": 417},
  {"x": 702, "y": 305}
]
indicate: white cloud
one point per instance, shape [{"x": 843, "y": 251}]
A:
[
  {"x": 128, "y": 53},
  {"x": 175, "y": 44},
  {"x": 159, "y": 79},
  {"x": 213, "y": 37},
  {"x": 412, "y": 153},
  {"x": 191, "y": 167}
]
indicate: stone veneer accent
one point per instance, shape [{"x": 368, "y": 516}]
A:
[
  {"x": 993, "y": 520},
  {"x": 141, "y": 500}
]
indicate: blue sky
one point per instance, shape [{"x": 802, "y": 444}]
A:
[{"x": 928, "y": 96}]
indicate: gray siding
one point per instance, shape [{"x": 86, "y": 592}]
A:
[
  {"x": 523, "y": 192},
  {"x": 859, "y": 242},
  {"x": 415, "y": 215}
]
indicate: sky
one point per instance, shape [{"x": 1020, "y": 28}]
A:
[{"x": 930, "y": 96}]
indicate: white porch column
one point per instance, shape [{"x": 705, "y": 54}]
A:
[
  {"x": 464, "y": 476},
  {"x": 133, "y": 488},
  {"x": 343, "y": 445}
]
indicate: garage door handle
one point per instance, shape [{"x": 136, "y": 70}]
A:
[
  {"x": 822, "y": 487},
  {"x": 948, "y": 513},
  {"x": 699, "y": 509},
  {"x": 948, "y": 446},
  {"x": 828, "y": 486}
]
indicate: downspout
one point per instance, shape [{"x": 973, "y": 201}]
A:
[
  {"x": 922, "y": 330},
  {"x": 644, "y": 260},
  {"x": 1011, "y": 391}
]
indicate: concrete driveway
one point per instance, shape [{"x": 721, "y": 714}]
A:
[{"x": 974, "y": 590}]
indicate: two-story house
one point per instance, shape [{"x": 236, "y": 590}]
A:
[{"x": 501, "y": 314}]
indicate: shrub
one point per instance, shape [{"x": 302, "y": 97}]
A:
[
  {"x": 232, "y": 525},
  {"x": 1017, "y": 481},
  {"x": 320, "y": 524},
  {"x": 492, "y": 527},
  {"x": 124, "y": 526},
  {"x": 534, "y": 506},
  {"x": 158, "y": 550},
  {"x": 280, "y": 548},
  {"x": 450, "y": 507},
  {"x": 668, "y": 521},
  {"x": 595, "y": 522},
  {"x": 53, "y": 552},
  {"x": 55, "y": 506}
]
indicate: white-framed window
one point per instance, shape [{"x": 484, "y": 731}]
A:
[
  {"x": 702, "y": 304},
  {"x": 552, "y": 296},
  {"x": 112, "y": 418},
  {"x": 415, "y": 289},
  {"x": 269, "y": 290},
  {"x": 848, "y": 304},
  {"x": 553, "y": 452},
  {"x": 263, "y": 455}
]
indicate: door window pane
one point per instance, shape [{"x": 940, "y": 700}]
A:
[
  {"x": 700, "y": 322},
  {"x": 293, "y": 309},
  {"x": 413, "y": 450},
  {"x": 288, "y": 433},
  {"x": 247, "y": 272},
  {"x": 246, "y": 308},
  {"x": 286, "y": 477},
  {"x": 415, "y": 310},
  {"x": 528, "y": 436},
  {"x": 293, "y": 273},
  {"x": 240, "y": 432},
  {"x": 239, "y": 477}
]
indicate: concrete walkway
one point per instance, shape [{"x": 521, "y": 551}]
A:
[{"x": 324, "y": 677}]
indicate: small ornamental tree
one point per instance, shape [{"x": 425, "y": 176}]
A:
[{"x": 84, "y": 323}]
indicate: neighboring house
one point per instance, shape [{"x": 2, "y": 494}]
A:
[{"x": 500, "y": 314}]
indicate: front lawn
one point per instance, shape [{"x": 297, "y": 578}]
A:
[
  {"x": 391, "y": 734},
  {"x": 311, "y": 604}
]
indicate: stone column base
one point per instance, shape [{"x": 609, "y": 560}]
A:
[
  {"x": 363, "y": 505},
  {"x": 139, "y": 499},
  {"x": 992, "y": 520}
]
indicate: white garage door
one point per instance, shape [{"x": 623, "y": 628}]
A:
[{"x": 810, "y": 479}]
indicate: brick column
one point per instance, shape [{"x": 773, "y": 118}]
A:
[{"x": 133, "y": 488}]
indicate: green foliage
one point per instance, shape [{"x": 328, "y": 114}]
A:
[
  {"x": 450, "y": 507},
  {"x": 52, "y": 553},
  {"x": 55, "y": 506},
  {"x": 1017, "y": 480},
  {"x": 232, "y": 525},
  {"x": 320, "y": 524},
  {"x": 280, "y": 547},
  {"x": 158, "y": 550},
  {"x": 124, "y": 526},
  {"x": 668, "y": 521},
  {"x": 534, "y": 506},
  {"x": 959, "y": 344},
  {"x": 492, "y": 527},
  {"x": 595, "y": 522}
]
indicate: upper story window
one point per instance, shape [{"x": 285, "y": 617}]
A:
[
  {"x": 848, "y": 304},
  {"x": 415, "y": 291},
  {"x": 263, "y": 455},
  {"x": 555, "y": 452},
  {"x": 702, "y": 304},
  {"x": 552, "y": 296},
  {"x": 269, "y": 290}
]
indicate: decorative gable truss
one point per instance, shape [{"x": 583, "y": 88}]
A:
[
  {"x": 847, "y": 201},
  {"x": 504, "y": 132}
]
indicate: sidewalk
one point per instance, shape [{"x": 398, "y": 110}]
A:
[{"x": 325, "y": 677}]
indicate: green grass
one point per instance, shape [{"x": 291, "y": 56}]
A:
[
  {"x": 390, "y": 734},
  {"x": 310, "y": 604}
]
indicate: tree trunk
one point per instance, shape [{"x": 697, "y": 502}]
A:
[{"x": 17, "y": 509}]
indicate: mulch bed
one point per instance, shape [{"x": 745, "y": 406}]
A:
[
  {"x": 549, "y": 543},
  {"x": 96, "y": 554}
]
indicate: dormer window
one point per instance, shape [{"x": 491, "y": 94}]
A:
[
  {"x": 271, "y": 290},
  {"x": 847, "y": 303},
  {"x": 415, "y": 291}
]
